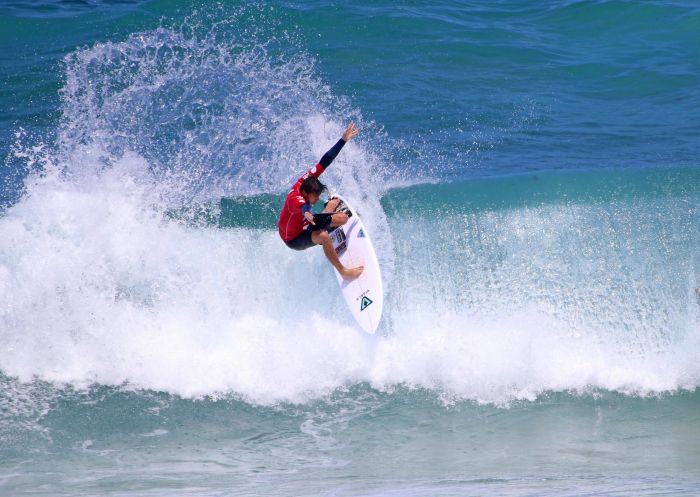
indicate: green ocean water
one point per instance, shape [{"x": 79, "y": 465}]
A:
[{"x": 529, "y": 176}]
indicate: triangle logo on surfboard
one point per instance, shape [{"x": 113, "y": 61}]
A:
[{"x": 365, "y": 303}]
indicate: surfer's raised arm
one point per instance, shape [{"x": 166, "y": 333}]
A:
[{"x": 350, "y": 132}]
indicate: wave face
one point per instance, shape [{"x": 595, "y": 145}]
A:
[
  {"x": 498, "y": 289},
  {"x": 514, "y": 286}
]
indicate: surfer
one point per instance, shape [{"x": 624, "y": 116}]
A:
[{"x": 299, "y": 227}]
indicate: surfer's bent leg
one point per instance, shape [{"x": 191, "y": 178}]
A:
[
  {"x": 326, "y": 220},
  {"x": 338, "y": 218},
  {"x": 321, "y": 237},
  {"x": 331, "y": 205}
]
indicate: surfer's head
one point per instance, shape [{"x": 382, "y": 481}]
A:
[{"x": 311, "y": 189}]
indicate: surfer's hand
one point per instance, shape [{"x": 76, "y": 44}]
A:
[
  {"x": 350, "y": 132},
  {"x": 310, "y": 218}
]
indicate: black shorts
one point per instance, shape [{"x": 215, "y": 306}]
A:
[{"x": 303, "y": 241}]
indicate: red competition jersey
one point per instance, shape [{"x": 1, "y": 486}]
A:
[{"x": 292, "y": 221}]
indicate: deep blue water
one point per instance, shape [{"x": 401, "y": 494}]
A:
[{"x": 529, "y": 175}]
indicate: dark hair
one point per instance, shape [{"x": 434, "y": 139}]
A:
[{"x": 312, "y": 185}]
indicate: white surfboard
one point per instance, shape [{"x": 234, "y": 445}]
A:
[{"x": 364, "y": 294}]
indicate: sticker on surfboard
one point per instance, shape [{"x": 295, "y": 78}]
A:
[
  {"x": 365, "y": 302},
  {"x": 339, "y": 240}
]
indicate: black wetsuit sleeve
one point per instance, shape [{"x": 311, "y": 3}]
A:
[{"x": 331, "y": 154}]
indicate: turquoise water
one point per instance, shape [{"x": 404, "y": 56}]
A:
[{"x": 529, "y": 175}]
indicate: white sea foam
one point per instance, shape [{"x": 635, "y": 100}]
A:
[{"x": 99, "y": 285}]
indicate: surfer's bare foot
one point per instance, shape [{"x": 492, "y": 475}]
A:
[{"x": 351, "y": 274}]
